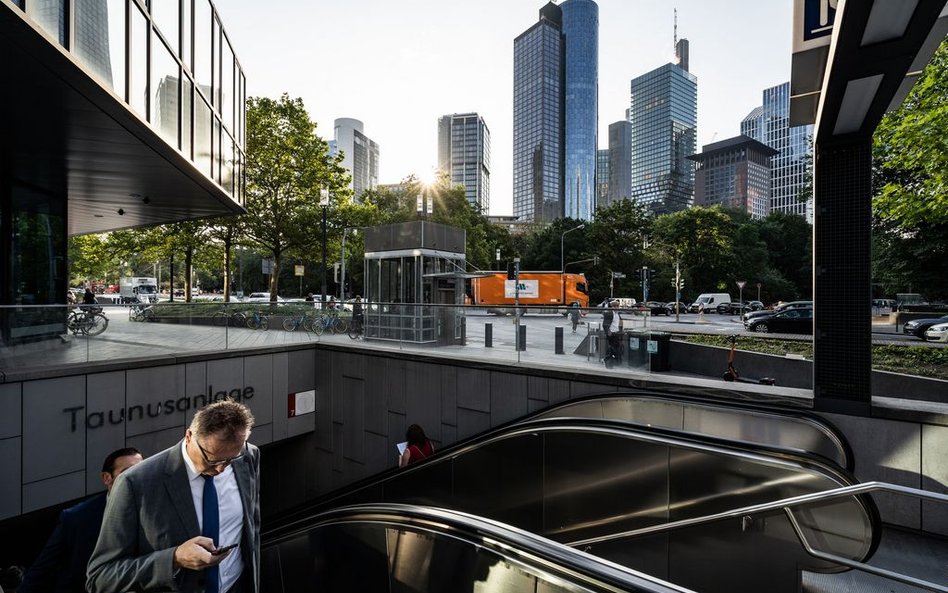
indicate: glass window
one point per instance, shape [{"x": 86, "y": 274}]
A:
[
  {"x": 51, "y": 16},
  {"x": 100, "y": 40},
  {"x": 216, "y": 149},
  {"x": 215, "y": 63},
  {"x": 165, "y": 15},
  {"x": 138, "y": 63},
  {"x": 202, "y": 47},
  {"x": 37, "y": 245},
  {"x": 227, "y": 163},
  {"x": 186, "y": 33},
  {"x": 202, "y": 135},
  {"x": 227, "y": 85},
  {"x": 186, "y": 95},
  {"x": 165, "y": 78}
]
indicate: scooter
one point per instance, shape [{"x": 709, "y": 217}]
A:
[{"x": 731, "y": 373}]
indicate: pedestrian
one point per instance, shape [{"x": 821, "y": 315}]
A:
[
  {"x": 612, "y": 328},
  {"x": 574, "y": 314},
  {"x": 188, "y": 518},
  {"x": 88, "y": 297},
  {"x": 309, "y": 298},
  {"x": 419, "y": 446},
  {"x": 61, "y": 566},
  {"x": 357, "y": 314}
]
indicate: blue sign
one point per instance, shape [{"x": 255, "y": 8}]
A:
[{"x": 818, "y": 17}]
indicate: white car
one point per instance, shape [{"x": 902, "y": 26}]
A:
[
  {"x": 937, "y": 333},
  {"x": 262, "y": 297}
]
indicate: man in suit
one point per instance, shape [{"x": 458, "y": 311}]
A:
[
  {"x": 61, "y": 566},
  {"x": 170, "y": 522}
]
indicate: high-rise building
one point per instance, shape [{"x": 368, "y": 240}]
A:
[
  {"x": 464, "y": 154},
  {"x": 602, "y": 178},
  {"x": 556, "y": 113},
  {"x": 770, "y": 124},
  {"x": 734, "y": 173},
  {"x": 581, "y": 39},
  {"x": 664, "y": 118},
  {"x": 360, "y": 154},
  {"x": 620, "y": 161}
]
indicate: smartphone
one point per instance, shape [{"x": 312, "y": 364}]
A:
[{"x": 220, "y": 551}]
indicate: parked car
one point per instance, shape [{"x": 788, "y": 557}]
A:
[
  {"x": 671, "y": 306},
  {"x": 737, "y": 308},
  {"x": 262, "y": 297},
  {"x": 937, "y": 333},
  {"x": 789, "y": 321},
  {"x": 656, "y": 308},
  {"x": 754, "y": 315},
  {"x": 918, "y": 327}
]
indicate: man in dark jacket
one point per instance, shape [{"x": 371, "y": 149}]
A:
[{"x": 61, "y": 566}]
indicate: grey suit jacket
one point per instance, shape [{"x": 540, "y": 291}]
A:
[{"x": 150, "y": 512}]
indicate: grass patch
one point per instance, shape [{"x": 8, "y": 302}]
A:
[{"x": 922, "y": 361}]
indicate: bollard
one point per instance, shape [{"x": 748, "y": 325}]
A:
[
  {"x": 522, "y": 338},
  {"x": 488, "y": 335},
  {"x": 558, "y": 340}
]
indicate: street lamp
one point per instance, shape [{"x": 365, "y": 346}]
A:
[
  {"x": 563, "y": 236},
  {"x": 324, "y": 202},
  {"x": 342, "y": 284}
]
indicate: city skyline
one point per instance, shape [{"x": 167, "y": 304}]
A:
[{"x": 414, "y": 63}]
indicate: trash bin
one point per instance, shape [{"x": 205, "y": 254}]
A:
[
  {"x": 636, "y": 343},
  {"x": 658, "y": 345}
]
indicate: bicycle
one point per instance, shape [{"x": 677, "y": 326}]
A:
[
  {"x": 223, "y": 317},
  {"x": 258, "y": 320},
  {"x": 141, "y": 313},
  {"x": 331, "y": 322},
  {"x": 356, "y": 329},
  {"x": 89, "y": 322},
  {"x": 291, "y": 324}
]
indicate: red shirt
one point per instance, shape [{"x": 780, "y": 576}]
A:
[{"x": 416, "y": 453}]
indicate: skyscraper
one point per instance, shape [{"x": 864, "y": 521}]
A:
[
  {"x": 555, "y": 113},
  {"x": 664, "y": 118},
  {"x": 620, "y": 161},
  {"x": 602, "y": 178},
  {"x": 464, "y": 154},
  {"x": 770, "y": 124},
  {"x": 360, "y": 154},
  {"x": 734, "y": 173}
]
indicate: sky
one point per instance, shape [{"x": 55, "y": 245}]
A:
[{"x": 399, "y": 66}]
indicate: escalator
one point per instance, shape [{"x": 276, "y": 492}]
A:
[{"x": 582, "y": 481}]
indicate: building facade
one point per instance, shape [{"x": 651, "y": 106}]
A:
[
  {"x": 360, "y": 154},
  {"x": 464, "y": 154},
  {"x": 620, "y": 161},
  {"x": 555, "y": 113},
  {"x": 734, "y": 173},
  {"x": 581, "y": 41},
  {"x": 664, "y": 118},
  {"x": 127, "y": 114},
  {"x": 770, "y": 124},
  {"x": 602, "y": 178}
]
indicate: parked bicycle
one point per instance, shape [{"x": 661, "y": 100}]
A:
[
  {"x": 331, "y": 322},
  {"x": 142, "y": 313},
  {"x": 304, "y": 320},
  {"x": 89, "y": 321},
  {"x": 224, "y": 316},
  {"x": 258, "y": 320},
  {"x": 357, "y": 329}
]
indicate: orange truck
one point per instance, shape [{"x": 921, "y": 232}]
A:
[{"x": 553, "y": 290}]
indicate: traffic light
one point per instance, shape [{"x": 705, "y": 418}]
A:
[{"x": 511, "y": 271}]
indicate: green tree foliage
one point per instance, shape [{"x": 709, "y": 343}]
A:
[
  {"x": 287, "y": 164},
  {"x": 910, "y": 205},
  {"x": 789, "y": 244},
  {"x": 90, "y": 259},
  {"x": 618, "y": 237},
  {"x": 703, "y": 239}
]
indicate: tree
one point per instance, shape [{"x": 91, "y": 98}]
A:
[
  {"x": 789, "y": 242},
  {"x": 703, "y": 239},
  {"x": 89, "y": 259},
  {"x": 618, "y": 237},
  {"x": 287, "y": 164}
]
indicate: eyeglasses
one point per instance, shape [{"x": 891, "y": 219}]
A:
[{"x": 219, "y": 462}]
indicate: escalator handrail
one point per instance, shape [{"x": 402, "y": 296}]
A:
[
  {"x": 509, "y": 542},
  {"x": 826, "y": 428}
]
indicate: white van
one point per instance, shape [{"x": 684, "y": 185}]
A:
[{"x": 710, "y": 300}]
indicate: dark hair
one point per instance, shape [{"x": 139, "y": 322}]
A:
[
  {"x": 108, "y": 466},
  {"x": 415, "y": 435},
  {"x": 226, "y": 418}
]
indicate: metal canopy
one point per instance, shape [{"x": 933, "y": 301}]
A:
[{"x": 62, "y": 131}]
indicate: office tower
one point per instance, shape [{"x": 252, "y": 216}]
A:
[
  {"x": 581, "y": 39},
  {"x": 664, "y": 118},
  {"x": 464, "y": 154},
  {"x": 360, "y": 155},
  {"x": 555, "y": 113},
  {"x": 770, "y": 124},
  {"x": 734, "y": 173},
  {"x": 602, "y": 178},
  {"x": 620, "y": 161}
]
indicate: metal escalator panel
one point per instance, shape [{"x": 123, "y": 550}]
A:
[
  {"x": 410, "y": 549},
  {"x": 738, "y": 422}
]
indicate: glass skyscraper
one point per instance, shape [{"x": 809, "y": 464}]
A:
[
  {"x": 620, "y": 162},
  {"x": 581, "y": 37},
  {"x": 464, "y": 154},
  {"x": 360, "y": 154},
  {"x": 555, "y": 113},
  {"x": 664, "y": 118},
  {"x": 602, "y": 177},
  {"x": 770, "y": 124}
]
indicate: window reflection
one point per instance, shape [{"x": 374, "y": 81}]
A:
[
  {"x": 165, "y": 15},
  {"x": 138, "y": 72},
  {"x": 100, "y": 40},
  {"x": 165, "y": 79},
  {"x": 202, "y": 46},
  {"x": 51, "y": 16},
  {"x": 186, "y": 95},
  {"x": 202, "y": 135}
]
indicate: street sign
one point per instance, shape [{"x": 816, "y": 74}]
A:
[
  {"x": 618, "y": 275},
  {"x": 267, "y": 266},
  {"x": 298, "y": 270},
  {"x": 741, "y": 284}
]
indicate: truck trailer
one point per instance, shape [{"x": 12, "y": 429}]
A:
[
  {"x": 138, "y": 289},
  {"x": 547, "y": 292}
]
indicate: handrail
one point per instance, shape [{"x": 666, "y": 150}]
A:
[{"x": 785, "y": 505}]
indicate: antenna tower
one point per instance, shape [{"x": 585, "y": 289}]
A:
[{"x": 675, "y": 40}]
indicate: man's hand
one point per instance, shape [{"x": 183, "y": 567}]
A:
[{"x": 195, "y": 554}]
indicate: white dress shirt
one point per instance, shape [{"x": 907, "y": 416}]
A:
[{"x": 231, "y": 516}]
